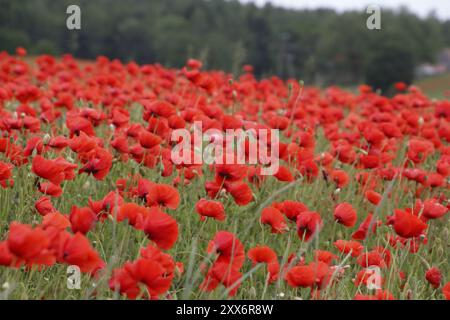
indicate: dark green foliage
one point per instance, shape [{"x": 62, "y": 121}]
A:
[
  {"x": 319, "y": 46},
  {"x": 390, "y": 63}
]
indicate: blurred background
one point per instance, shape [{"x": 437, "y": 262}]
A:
[{"x": 322, "y": 46}]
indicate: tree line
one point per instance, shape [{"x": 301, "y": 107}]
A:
[{"x": 319, "y": 46}]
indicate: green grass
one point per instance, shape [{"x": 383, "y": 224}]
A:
[{"x": 437, "y": 87}]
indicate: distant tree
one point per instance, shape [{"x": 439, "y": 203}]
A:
[{"x": 390, "y": 63}]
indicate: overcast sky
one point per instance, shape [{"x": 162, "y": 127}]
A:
[{"x": 421, "y": 7}]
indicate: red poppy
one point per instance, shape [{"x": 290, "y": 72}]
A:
[
  {"x": 264, "y": 254},
  {"x": 82, "y": 219},
  {"x": 229, "y": 248},
  {"x": 29, "y": 245},
  {"x": 308, "y": 223},
  {"x": 6, "y": 174},
  {"x": 275, "y": 219},
  {"x": 149, "y": 140},
  {"x": 78, "y": 251},
  {"x": 50, "y": 189},
  {"x": 363, "y": 229},
  {"x": 446, "y": 291},
  {"x": 212, "y": 209},
  {"x": 345, "y": 214},
  {"x": 291, "y": 209},
  {"x": 161, "y": 228},
  {"x": 434, "y": 277},
  {"x": 44, "y": 206},
  {"x": 406, "y": 224},
  {"x": 97, "y": 162},
  {"x": 373, "y": 197},
  {"x": 347, "y": 247},
  {"x": 241, "y": 192},
  {"x": 135, "y": 214},
  {"x": 163, "y": 195},
  {"x": 56, "y": 171}
]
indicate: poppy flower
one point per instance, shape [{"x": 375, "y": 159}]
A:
[
  {"x": 229, "y": 248},
  {"x": 301, "y": 276},
  {"x": 264, "y": 254},
  {"x": 29, "y": 245},
  {"x": 154, "y": 269},
  {"x": 78, "y": 251},
  {"x": 241, "y": 192},
  {"x": 161, "y": 228},
  {"x": 430, "y": 209},
  {"x": 339, "y": 177},
  {"x": 163, "y": 195},
  {"x": 324, "y": 256},
  {"x": 379, "y": 295},
  {"x": 134, "y": 213},
  {"x": 212, "y": 209},
  {"x": 308, "y": 223},
  {"x": 6, "y": 174},
  {"x": 50, "y": 189},
  {"x": 291, "y": 209},
  {"x": 82, "y": 219},
  {"x": 56, "y": 171},
  {"x": 349, "y": 247},
  {"x": 373, "y": 197},
  {"x": 406, "y": 224},
  {"x": 149, "y": 140},
  {"x": 44, "y": 206},
  {"x": 371, "y": 258},
  {"x": 363, "y": 229},
  {"x": 345, "y": 214},
  {"x": 284, "y": 174},
  {"x": 275, "y": 219},
  {"x": 6, "y": 257},
  {"x": 222, "y": 273},
  {"x": 434, "y": 277},
  {"x": 230, "y": 173},
  {"x": 364, "y": 276},
  {"x": 446, "y": 291},
  {"x": 419, "y": 150},
  {"x": 97, "y": 162}
]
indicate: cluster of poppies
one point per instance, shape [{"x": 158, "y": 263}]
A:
[{"x": 62, "y": 119}]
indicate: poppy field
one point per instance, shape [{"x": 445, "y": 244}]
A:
[{"x": 359, "y": 208}]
